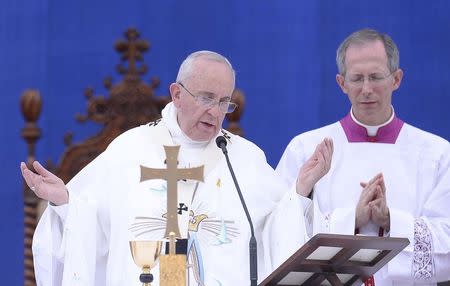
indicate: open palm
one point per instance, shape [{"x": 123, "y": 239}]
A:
[{"x": 45, "y": 184}]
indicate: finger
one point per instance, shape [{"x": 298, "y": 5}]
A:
[
  {"x": 41, "y": 170},
  {"x": 321, "y": 155},
  {"x": 379, "y": 182},
  {"x": 372, "y": 181},
  {"x": 373, "y": 190},
  {"x": 313, "y": 158},
  {"x": 328, "y": 152},
  {"x": 367, "y": 195},
  {"x": 368, "y": 185},
  {"x": 378, "y": 206},
  {"x": 378, "y": 194},
  {"x": 30, "y": 178},
  {"x": 23, "y": 167},
  {"x": 310, "y": 162},
  {"x": 375, "y": 208},
  {"x": 332, "y": 146},
  {"x": 382, "y": 184},
  {"x": 329, "y": 145},
  {"x": 376, "y": 201},
  {"x": 323, "y": 148},
  {"x": 378, "y": 176}
]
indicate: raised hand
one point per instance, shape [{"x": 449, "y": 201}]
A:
[
  {"x": 45, "y": 184},
  {"x": 315, "y": 167}
]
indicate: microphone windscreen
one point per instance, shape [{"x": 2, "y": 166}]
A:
[{"x": 221, "y": 141}]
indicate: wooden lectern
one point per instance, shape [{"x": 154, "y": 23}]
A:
[{"x": 332, "y": 259}]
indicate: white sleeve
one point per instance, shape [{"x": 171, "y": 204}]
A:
[
  {"x": 427, "y": 257},
  {"x": 282, "y": 228},
  {"x": 68, "y": 240},
  {"x": 339, "y": 221},
  {"x": 61, "y": 210},
  {"x": 288, "y": 167},
  {"x": 285, "y": 230},
  {"x": 291, "y": 161}
]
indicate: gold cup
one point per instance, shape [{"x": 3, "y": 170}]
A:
[{"x": 145, "y": 254}]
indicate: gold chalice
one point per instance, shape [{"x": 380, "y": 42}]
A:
[{"x": 145, "y": 254}]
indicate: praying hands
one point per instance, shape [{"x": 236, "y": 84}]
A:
[{"x": 372, "y": 204}]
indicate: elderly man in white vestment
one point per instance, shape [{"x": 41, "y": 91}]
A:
[
  {"x": 83, "y": 236},
  {"x": 371, "y": 173}
]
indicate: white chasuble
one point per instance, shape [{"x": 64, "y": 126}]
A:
[{"x": 108, "y": 206}]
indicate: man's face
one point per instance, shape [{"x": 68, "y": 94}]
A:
[
  {"x": 210, "y": 78},
  {"x": 368, "y": 82}
]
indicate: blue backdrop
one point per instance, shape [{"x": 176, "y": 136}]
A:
[{"x": 283, "y": 52}]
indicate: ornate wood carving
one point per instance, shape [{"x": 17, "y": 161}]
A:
[{"x": 131, "y": 102}]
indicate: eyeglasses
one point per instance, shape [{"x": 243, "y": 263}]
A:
[
  {"x": 375, "y": 79},
  {"x": 206, "y": 101}
]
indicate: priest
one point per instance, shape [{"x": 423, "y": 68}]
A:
[
  {"x": 373, "y": 174},
  {"x": 83, "y": 236}
]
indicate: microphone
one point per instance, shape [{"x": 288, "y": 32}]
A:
[{"x": 222, "y": 144}]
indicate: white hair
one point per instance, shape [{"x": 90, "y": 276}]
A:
[{"x": 186, "y": 66}]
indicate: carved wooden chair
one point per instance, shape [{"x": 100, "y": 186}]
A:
[{"x": 131, "y": 102}]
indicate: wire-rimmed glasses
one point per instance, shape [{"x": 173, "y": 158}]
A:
[
  {"x": 374, "y": 79},
  {"x": 206, "y": 101}
]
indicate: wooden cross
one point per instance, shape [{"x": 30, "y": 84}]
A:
[{"x": 172, "y": 175}]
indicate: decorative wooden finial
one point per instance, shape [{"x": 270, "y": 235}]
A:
[
  {"x": 131, "y": 51},
  {"x": 30, "y": 104}
]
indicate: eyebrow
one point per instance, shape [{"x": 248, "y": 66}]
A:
[
  {"x": 208, "y": 93},
  {"x": 226, "y": 98},
  {"x": 211, "y": 94},
  {"x": 373, "y": 73}
]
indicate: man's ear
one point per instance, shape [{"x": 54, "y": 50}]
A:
[
  {"x": 341, "y": 82},
  {"x": 398, "y": 76},
  {"x": 175, "y": 91}
]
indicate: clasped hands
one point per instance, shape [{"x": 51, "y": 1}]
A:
[{"x": 372, "y": 204}]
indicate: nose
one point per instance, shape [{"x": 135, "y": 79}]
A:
[
  {"x": 366, "y": 86},
  {"x": 215, "y": 110}
]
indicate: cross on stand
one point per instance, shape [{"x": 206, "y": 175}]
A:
[{"x": 172, "y": 175}]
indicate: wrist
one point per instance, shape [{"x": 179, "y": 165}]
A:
[
  {"x": 357, "y": 223},
  {"x": 387, "y": 223},
  {"x": 63, "y": 199},
  {"x": 303, "y": 190}
]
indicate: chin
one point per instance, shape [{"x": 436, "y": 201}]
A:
[
  {"x": 210, "y": 134},
  {"x": 209, "y": 137},
  {"x": 204, "y": 137}
]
